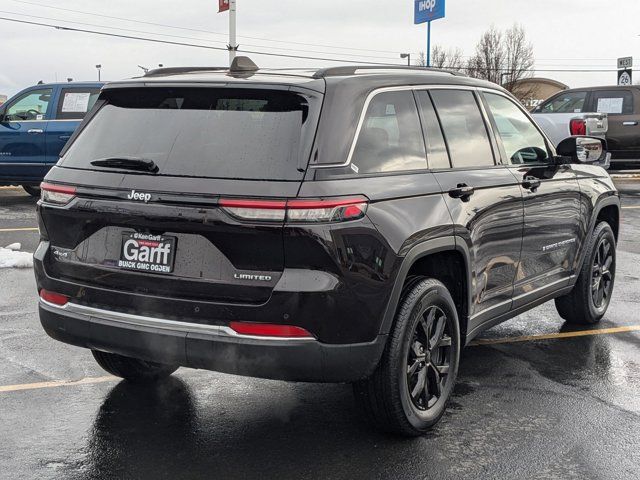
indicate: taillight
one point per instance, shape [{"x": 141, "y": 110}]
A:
[
  {"x": 55, "y": 298},
  {"x": 297, "y": 211},
  {"x": 269, "y": 330},
  {"x": 578, "y": 126},
  {"x": 56, "y": 194}
]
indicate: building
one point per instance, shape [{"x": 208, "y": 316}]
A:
[
  {"x": 533, "y": 91},
  {"x": 3, "y": 98}
]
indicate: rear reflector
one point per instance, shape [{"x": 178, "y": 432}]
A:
[
  {"x": 57, "y": 194},
  {"x": 269, "y": 330},
  {"x": 297, "y": 211},
  {"x": 55, "y": 298},
  {"x": 578, "y": 127}
]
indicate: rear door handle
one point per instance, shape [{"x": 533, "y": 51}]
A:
[
  {"x": 64, "y": 137},
  {"x": 531, "y": 184},
  {"x": 629, "y": 124},
  {"x": 462, "y": 191},
  {"x": 35, "y": 131}
]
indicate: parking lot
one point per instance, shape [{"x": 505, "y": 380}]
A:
[{"x": 535, "y": 399}]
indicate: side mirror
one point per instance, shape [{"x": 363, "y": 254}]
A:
[
  {"x": 584, "y": 150},
  {"x": 3, "y": 113}
]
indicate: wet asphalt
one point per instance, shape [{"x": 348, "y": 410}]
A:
[{"x": 564, "y": 408}]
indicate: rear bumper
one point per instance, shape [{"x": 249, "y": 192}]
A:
[{"x": 209, "y": 347}]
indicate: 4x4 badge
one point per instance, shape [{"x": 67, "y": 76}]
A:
[{"x": 145, "y": 197}]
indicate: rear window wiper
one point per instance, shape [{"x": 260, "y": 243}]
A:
[{"x": 128, "y": 163}]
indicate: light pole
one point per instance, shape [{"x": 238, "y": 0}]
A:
[
  {"x": 98, "y": 67},
  {"x": 407, "y": 56}
]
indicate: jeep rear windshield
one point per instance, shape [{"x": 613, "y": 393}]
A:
[{"x": 202, "y": 132}]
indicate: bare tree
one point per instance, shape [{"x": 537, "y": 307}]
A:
[
  {"x": 449, "y": 59},
  {"x": 504, "y": 58}
]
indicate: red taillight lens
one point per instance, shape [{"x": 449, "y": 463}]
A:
[
  {"x": 269, "y": 330},
  {"x": 56, "y": 194},
  {"x": 329, "y": 210},
  {"x": 297, "y": 211},
  {"x": 55, "y": 298},
  {"x": 578, "y": 127}
]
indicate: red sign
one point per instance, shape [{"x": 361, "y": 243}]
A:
[{"x": 224, "y": 5}]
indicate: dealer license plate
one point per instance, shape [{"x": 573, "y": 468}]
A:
[{"x": 144, "y": 252}]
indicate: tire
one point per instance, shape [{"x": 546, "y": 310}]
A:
[
  {"x": 32, "y": 190},
  {"x": 386, "y": 397},
  {"x": 132, "y": 369},
  {"x": 585, "y": 304}
]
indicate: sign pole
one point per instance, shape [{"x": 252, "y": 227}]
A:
[
  {"x": 428, "y": 44},
  {"x": 233, "y": 44}
]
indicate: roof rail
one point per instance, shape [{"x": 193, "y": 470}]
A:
[
  {"x": 178, "y": 70},
  {"x": 352, "y": 70}
]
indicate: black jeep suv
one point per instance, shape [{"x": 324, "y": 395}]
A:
[{"x": 349, "y": 224}]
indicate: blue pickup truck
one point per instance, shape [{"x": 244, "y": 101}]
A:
[{"x": 34, "y": 127}]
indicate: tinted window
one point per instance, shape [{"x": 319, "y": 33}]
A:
[
  {"x": 437, "y": 155},
  {"x": 569, "y": 102},
  {"x": 208, "y": 132},
  {"x": 613, "y": 102},
  {"x": 391, "y": 138},
  {"x": 522, "y": 141},
  {"x": 30, "y": 106},
  {"x": 464, "y": 128},
  {"x": 74, "y": 103}
]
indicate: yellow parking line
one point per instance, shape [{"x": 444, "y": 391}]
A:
[
  {"x": 25, "y": 229},
  {"x": 554, "y": 336},
  {"x": 633, "y": 206},
  {"x": 56, "y": 384}
]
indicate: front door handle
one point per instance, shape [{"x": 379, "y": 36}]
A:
[
  {"x": 629, "y": 124},
  {"x": 35, "y": 131},
  {"x": 462, "y": 191},
  {"x": 531, "y": 184}
]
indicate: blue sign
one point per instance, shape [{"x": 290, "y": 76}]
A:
[{"x": 428, "y": 10}]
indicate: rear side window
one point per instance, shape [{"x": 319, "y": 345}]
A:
[
  {"x": 522, "y": 141},
  {"x": 613, "y": 102},
  {"x": 74, "y": 103},
  {"x": 203, "y": 132},
  {"x": 464, "y": 128},
  {"x": 390, "y": 139},
  {"x": 569, "y": 102}
]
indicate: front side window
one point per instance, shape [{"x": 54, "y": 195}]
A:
[
  {"x": 75, "y": 103},
  {"x": 464, "y": 128},
  {"x": 522, "y": 141},
  {"x": 390, "y": 139},
  {"x": 569, "y": 102},
  {"x": 30, "y": 106},
  {"x": 613, "y": 102}
]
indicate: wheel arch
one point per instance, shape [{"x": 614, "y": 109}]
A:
[{"x": 446, "y": 259}]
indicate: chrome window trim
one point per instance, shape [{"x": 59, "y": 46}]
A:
[
  {"x": 368, "y": 101},
  {"x": 127, "y": 319}
]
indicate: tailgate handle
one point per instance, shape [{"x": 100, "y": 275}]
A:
[
  {"x": 462, "y": 191},
  {"x": 629, "y": 124}
]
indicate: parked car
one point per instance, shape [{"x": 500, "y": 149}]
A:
[
  {"x": 620, "y": 104},
  {"x": 34, "y": 127},
  {"x": 348, "y": 224}
]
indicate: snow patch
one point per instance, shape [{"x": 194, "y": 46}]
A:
[{"x": 11, "y": 257}]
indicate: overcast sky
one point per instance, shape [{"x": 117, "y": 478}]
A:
[{"x": 566, "y": 34}]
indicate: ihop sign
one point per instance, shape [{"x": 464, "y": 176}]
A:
[{"x": 428, "y": 10}]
